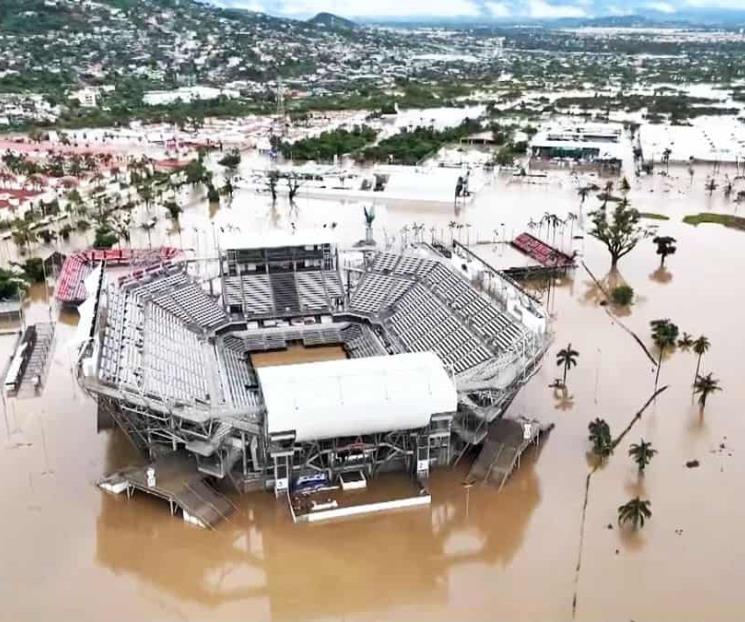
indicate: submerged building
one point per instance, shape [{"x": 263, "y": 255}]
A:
[
  {"x": 592, "y": 147},
  {"x": 309, "y": 364}
]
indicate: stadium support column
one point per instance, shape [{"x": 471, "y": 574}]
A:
[
  {"x": 281, "y": 451},
  {"x": 422, "y": 456},
  {"x": 282, "y": 471}
]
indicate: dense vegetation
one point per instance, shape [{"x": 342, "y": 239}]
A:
[
  {"x": 677, "y": 106},
  {"x": 327, "y": 145},
  {"x": 410, "y": 147}
]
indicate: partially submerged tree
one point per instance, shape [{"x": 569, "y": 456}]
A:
[
  {"x": 566, "y": 358},
  {"x": 635, "y": 512},
  {"x": 174, "y": 210},
  {"x": 619, "y": 230},
  {"x": 700, "y": 347},
  {"x": 666, "y": 158},
  {"x": 105, "y": 237},
  {"x": 622, "y": 295},
  {"x": 642, "y": 453},
  {"x": 665, "y": 246},
  {"x": 231, "y": 160},
  {"x": 704, "y": 386},
  {"x": 369, "y": 219},
  {"x": 600, "y": 437},
  {"x": 685, "y": 342},
  {"x": 271, "y": 180},
  {"x": 664, "y": 335},
  {"x": 293, "y": 185},
  {"x": 213, "y": 196}
]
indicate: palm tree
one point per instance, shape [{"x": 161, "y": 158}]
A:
[
  {"x": 642, "y": 453},
  {"x": 685, "y": 342},
  {"x": 147, "y": 195},
  {"x": 635, "y": 512},
  {"x": 703, "y": 386},
  {"x": 665, "y": 247},
  {"x": 583, "y": 192},
  {"x": 665, "y": 335},
  {"x": 600, "y": 437},
  {"x": 666, "y": 158},
  {"x": 22, "y": 234},
  {"x": 700, "y": 346},
  {"x": 567, "y": 357},
  {"x": 369, "y": 220}
]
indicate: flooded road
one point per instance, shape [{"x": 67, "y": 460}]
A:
[{"x": 71, "y": 552}]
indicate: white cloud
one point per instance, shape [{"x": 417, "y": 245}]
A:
[
  {"x": 716, "y": 4},
  {"x": 662, "y": 7},
  {"x": 539, "y": 9},
  {"x": 497, "y": 9},
  {"x": 380, "y": 8}
]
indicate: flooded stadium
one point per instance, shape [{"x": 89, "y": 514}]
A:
[{"x": 475, "y": 553}]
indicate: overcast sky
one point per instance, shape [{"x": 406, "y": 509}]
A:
[{"x": 539, "y": 9}]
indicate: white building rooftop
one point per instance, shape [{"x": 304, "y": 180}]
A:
[{"x": 356, "y": 396}]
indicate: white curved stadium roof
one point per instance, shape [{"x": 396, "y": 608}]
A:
[{"x": 356, "y": 396}]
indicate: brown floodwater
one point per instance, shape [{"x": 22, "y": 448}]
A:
[
  {"x": 298, "y": 354},
  {"x": 71, "y": 552}
]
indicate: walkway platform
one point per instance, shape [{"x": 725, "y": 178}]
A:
[
  {"x": 176, "y": 480},
  {"x": 506, "y": 441},
  {"x": 28, "y": 368},
  {"x": 384, "y": 493}
]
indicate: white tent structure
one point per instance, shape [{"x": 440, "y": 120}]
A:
[{"x": 356, "y": 396}]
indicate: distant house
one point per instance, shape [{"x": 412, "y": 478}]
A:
[
  {"x": 186, "y": 94},
  {"x": 87, "y": 97},
  {"x": 484, "y": 138}
]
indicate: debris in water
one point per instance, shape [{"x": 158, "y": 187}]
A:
[
  {"x": 692, "y": 464},
  {"x": 610, "y": 526}
]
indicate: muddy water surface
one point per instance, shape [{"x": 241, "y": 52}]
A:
[{"x": 70, "y": 552}]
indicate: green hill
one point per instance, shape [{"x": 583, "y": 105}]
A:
[{"x": 329, "y": 20}]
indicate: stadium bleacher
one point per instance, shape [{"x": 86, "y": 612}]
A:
[
  {"x": 425, "y": 305},
  {"x": 282, "y": 293}
]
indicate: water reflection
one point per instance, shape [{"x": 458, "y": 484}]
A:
[
  {"x": 662, "y": 275},
  {"x": 369, "y": 564}
]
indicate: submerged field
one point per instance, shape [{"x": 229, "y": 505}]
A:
[{"x": 71, "y": 552}]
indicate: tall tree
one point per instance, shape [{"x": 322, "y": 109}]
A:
[
  {"x": 666, "y": 158},
  {"x": 567, "y": 358},
  {"x": 665, "y": 246},
  {"x": 635, "y": 512},
  {"x": 642, "y": 453},
  {"x": 293, "y": 185},
  {"x": 704, "y": 386},
  {"x": 700, "y": 346},
  {"x": 600, "y": 437},
  {"x": 271, "y": 180},
  {"x": 619, "y": 231},
  {"x": 665, "y": 335},
  {"x": 685, "y": 342}
]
